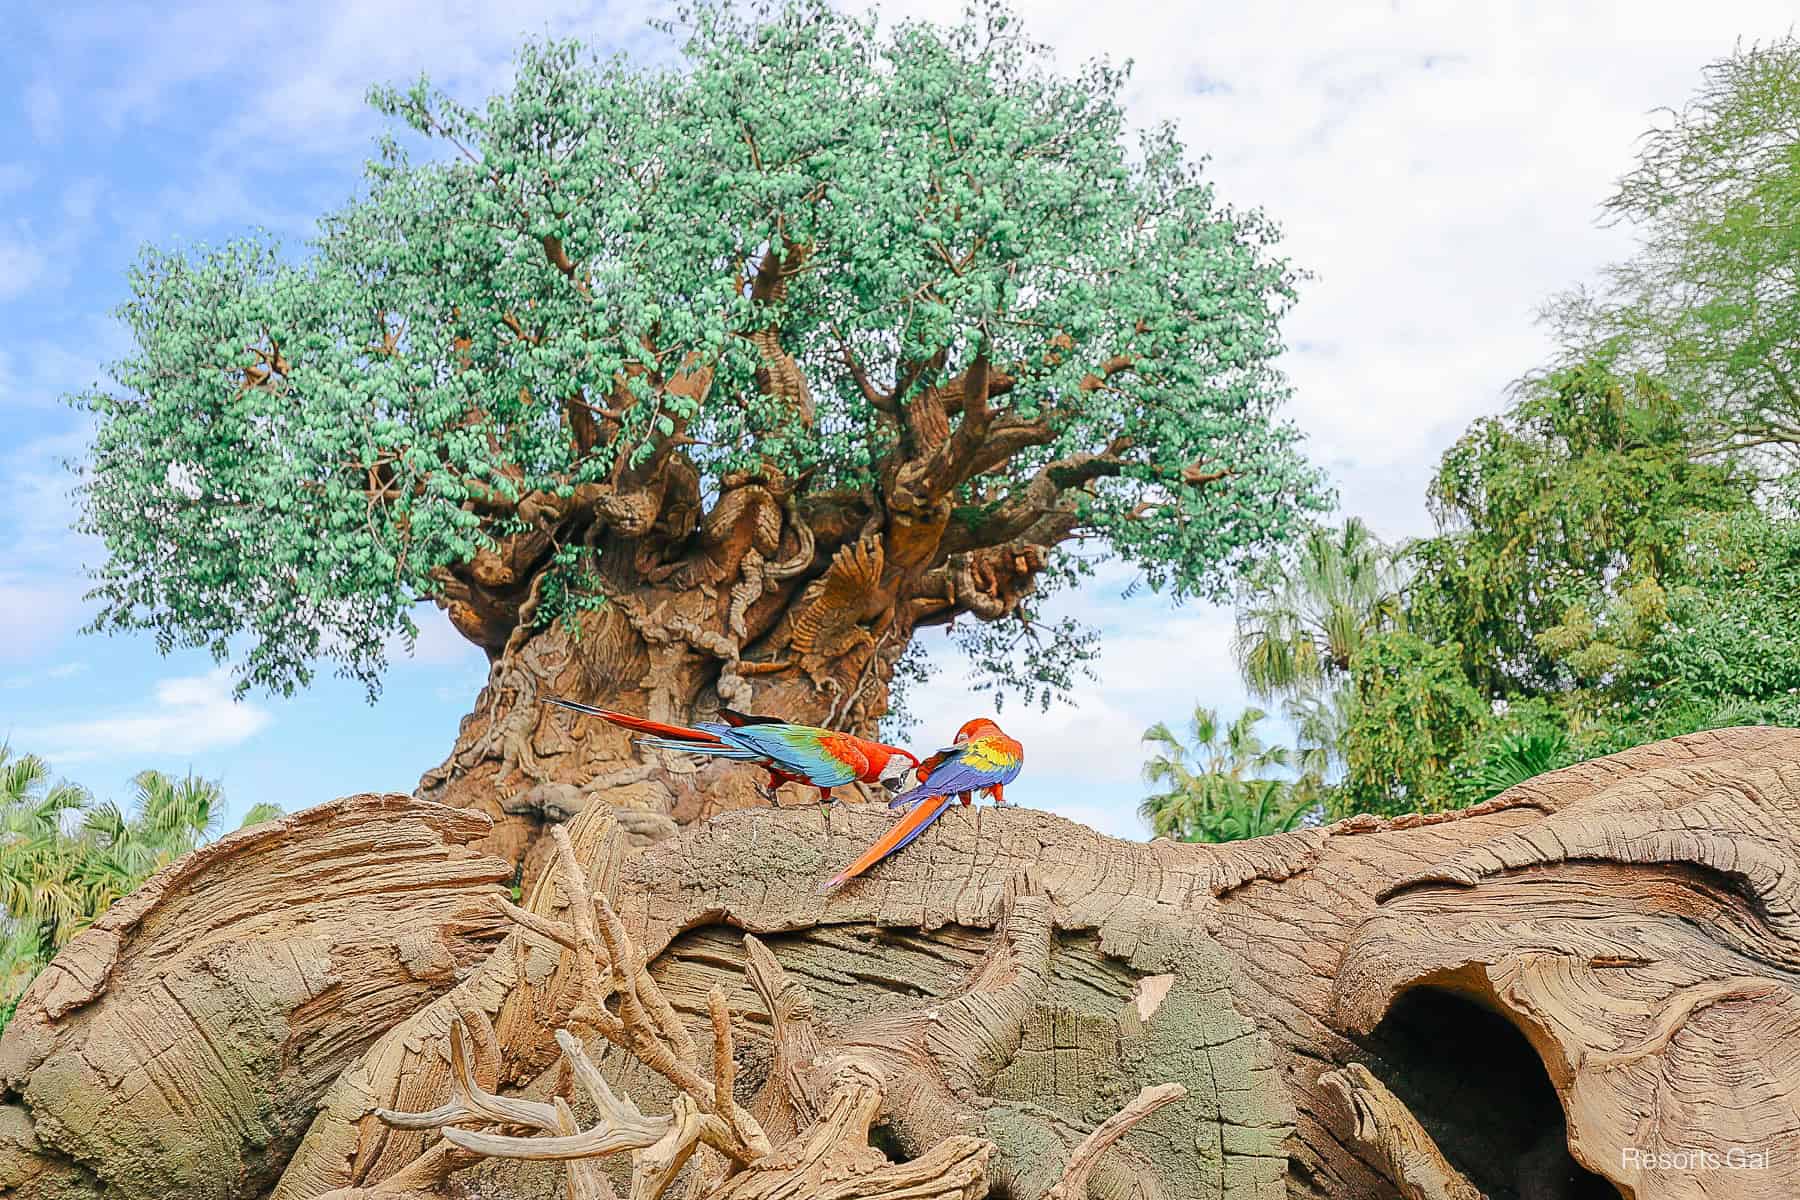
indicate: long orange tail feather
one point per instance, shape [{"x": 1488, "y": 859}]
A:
[{"x": 903, "y": 831}]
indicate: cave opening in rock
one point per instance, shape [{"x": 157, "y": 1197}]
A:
[
  {"x": 884, "y": 1138},
  {"x": 1480, "y": 1090}
]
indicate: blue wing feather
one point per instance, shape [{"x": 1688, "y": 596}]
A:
[
  {"x": 953, "y": 775},
  {"x": 794, "y": 748},
  {"x": 710, "y": 749}
]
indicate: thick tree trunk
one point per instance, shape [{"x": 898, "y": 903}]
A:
[
  {"x": 1585, "y": 987},
  {"x": 674, "y": 656}
]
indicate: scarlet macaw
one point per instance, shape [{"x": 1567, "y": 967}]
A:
[
  {"x": 982, "y": 759},
  {"x": 790, "y": 753}
]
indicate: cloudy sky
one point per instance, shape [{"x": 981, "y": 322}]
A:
[{"x": 1437, "y": 168}]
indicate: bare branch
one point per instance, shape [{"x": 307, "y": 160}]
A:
[
  {"x": 1074, "y": 1183},
  {"x": 879, "y": 400},
  {"x": 469, "y": 1101}
]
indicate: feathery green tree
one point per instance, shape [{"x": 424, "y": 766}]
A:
[
  {"x": 746, "y": 369},
  {"x": 1586, "y": 485},
  {"x": 1710, "y": 303}
]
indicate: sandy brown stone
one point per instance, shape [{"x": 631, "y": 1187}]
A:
[
  {"x": 179, "y": 1045},
  {"x": 1530, "y": 998}
]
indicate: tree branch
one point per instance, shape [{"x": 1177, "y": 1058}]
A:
[
  {"x": 879, "y": 400},
  {"x": 1074, "y": 1183}
]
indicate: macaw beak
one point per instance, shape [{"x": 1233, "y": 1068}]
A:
[{"x": 895, "y": 775}]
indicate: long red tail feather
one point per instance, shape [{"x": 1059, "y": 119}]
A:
[{"x": 639, "y": 724}]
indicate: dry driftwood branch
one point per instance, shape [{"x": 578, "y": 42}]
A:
[
  {"x": 609, "y": 967},
  {"x": 829, "y": 1156},
  {"x": 1074, "y": 1183},
  {"x": 1392, "y": 1138}
]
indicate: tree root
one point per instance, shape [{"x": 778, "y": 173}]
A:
[{"x": 1392, "y": 1139}]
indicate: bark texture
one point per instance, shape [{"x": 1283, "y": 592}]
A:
[
  {"x": 760, "y": 589},
  {"x": 178, "y": 1046},
  {"x": 773, "y": 610},
  {"x": 1533, "y": 998}
]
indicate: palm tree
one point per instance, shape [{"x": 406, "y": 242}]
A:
[
  {"x": 1321, "y": 722},
  {"x": 65, "y": 857},
  {"x": 1516, "y": 757},
  {"x": 39, "y": 888},
  {"x": 1213, "y": 785},
  {"x": 1299, "y": 627},
  {"x": 1300, "y": 624}
]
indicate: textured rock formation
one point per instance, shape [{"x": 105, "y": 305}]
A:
[
  {"x": 179, "y": 1046},
  {"x": 1559, "y": 993}
]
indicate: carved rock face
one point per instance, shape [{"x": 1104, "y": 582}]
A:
[
  {"x": 178, "y": 1047},
  {"x": 1415, "y": 1007},
  {"x": 1643, "y": 936}
]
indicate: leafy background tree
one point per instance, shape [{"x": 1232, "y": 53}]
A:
[
  {"x": 1711, "y": 303},
  {"x": 1301, "y": 622},
  {"x": 706, "y": 385},
  {"x": 1616, "y": 553},
  {"x": 1216, "y": 784},
  {"x": 66, "y": 856}
]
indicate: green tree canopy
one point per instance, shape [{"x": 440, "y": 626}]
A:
[
  {"x": 1711, "y": 301},
  {"x": 1723, "y": 653},
  {"x": 1414, "y": 713},
  {"x": 1586, "y": 484},
  {"x": 910, "y": 283},
  {"x": 1615, "y": 559}
]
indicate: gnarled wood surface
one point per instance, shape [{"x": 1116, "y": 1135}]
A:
[
  {"x": 1603, "y": 961},
  {"x": 178, "y": 1047},
  {"x": 1643, "y": 936}
]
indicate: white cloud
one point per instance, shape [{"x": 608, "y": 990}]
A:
[
  {"x": 35, "y": 531},
  {"x": 186, "y": 715},
  {"x": 438, "y": 643},
  {"x": 80, "y": 197},
  {"x": 1437, "y": 166}
]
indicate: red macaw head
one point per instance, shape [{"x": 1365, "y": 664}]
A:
[
  {"x": 896, "y": 766},
  {"x": 979, "y": 727}
]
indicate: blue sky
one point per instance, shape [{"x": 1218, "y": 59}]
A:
[{"x": 1438, "y": 167}]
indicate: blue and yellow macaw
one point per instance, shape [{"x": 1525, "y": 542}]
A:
[{"x": 982, "y": 759}]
